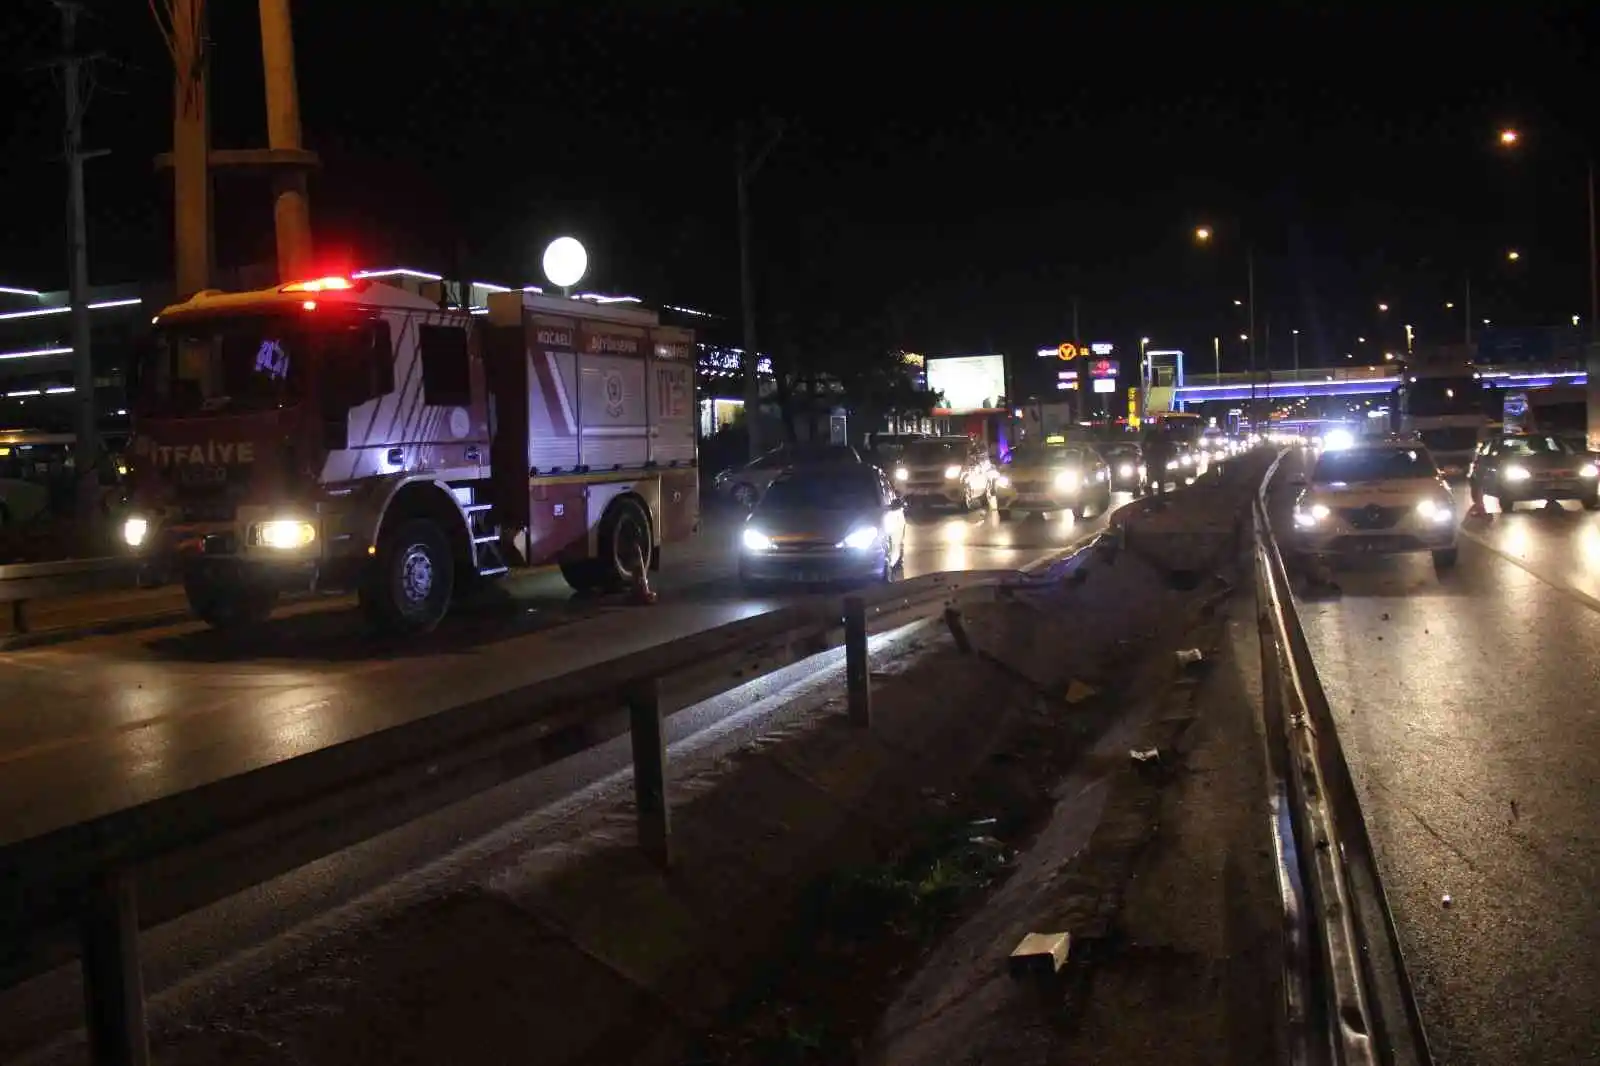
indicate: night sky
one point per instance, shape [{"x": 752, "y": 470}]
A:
[{"x": 960, "y": 176}]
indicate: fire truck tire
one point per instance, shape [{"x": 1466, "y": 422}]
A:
[
  {"x": 227, "y": 602},
  {"x": 408, "y": 584},
  {"x": 624, "y": 538}
]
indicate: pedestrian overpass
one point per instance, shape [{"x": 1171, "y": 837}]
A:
[{"x": 1209, "y": 388}]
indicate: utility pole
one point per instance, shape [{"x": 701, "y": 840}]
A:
[
  {"x": 291, "y": 210},
  {"x": 76, "y": 91},
  {"x": 745, "y": 168},
  {"x": 183, "y": 29},
  {"x": 1594, "y": 266}
]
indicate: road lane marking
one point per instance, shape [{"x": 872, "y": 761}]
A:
[{"x": 1560, "y": 586}]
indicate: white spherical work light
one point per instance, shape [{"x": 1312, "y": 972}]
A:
[{"x": 565, "y": 261}]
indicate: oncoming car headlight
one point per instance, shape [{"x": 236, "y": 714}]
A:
[
  {"x": 285, "y": 534},
  {"x": 952, "y": 472},
  {"x": 1066, "y": 480},
  {"x": 134, "y": 530},
  {"x": 860, "y": 539},
  {"x": 756, "y": 541},
  {"x": 1435, "y": 510},
  {"x": 1589, "y": 470},
  {"x": 1125, "y": 470},
  {"x": 1306, "y": 517},
  {"x": 1517, "y": 473},
  {"x": 901, "y": 473}
]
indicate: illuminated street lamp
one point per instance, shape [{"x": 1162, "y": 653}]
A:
[
  {"x": 1513, "y": 255},
  {"x": 1202, "y": 234},
  {"x": 1509, "y": 138},
  {"x": 1383, "y": 307},
  {"x": 565, "y": 262}
]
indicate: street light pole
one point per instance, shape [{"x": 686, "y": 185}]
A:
[
  {"x": 1216, "y": 358},
  {"x": 1594, "y": 266},
  {"x": 1250, "y": 271},
  {"x": 1296, "y": 347},
  {"x": 745, "y": 168}
]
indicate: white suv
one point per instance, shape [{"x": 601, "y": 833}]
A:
[{"x": 1376, "y": 499}]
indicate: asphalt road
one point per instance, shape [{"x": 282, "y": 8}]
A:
[
  {"x": 97, "y": 723},
  {"x": 116, "y": 719},
  {"x": 1467, "y": 709}
]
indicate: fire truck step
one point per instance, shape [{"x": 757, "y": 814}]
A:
[
  {"x": 491, "y": 538},
  {"x": 493, "y": 571},
  {"x": 474, "y": 508}
]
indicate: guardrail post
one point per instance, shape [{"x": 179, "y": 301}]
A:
[
  {"x": 19, "y": 616},
  {"x": 650, "y": 772},
  {"x": 857, "y": 674},
  {"x": 113, "y": 986}
]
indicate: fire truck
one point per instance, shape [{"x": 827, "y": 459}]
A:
[{"x": 339, "y": 433}]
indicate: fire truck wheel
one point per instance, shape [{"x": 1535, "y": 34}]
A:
[
  {"x": 408, "y": 585},
  {"x": 227, "y": 602},
  {"x": 624, "y": 540}
]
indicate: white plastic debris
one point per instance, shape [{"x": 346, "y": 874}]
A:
[
  {"x": 1446, "y": 900},
  {"x": 1189, "y": 656},
  {"x": 1144, "y": 755}
]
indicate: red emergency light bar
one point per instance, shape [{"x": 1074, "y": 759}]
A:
[{"x": 328, "y": 284}]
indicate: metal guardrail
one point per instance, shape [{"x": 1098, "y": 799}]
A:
[
  {"x": 88, "y": 889},
  {"x": 21, "y": 583},
  {"x": 1366, "y": 1007}
]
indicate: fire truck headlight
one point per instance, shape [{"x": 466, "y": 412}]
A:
[
  {"x": 1589, "y": 470},
  {"x": 952, "y": 472},
  {"x": 861, "y": 539},
  {"x": 901, "y": 473},
  {"x": 134, "y": 530},
  {"x": 756, "y": 541},
  {"x": 285, "y": 534},
  {"x": 1517, "y": 473},
  {"x": 1125, "y": 470}
]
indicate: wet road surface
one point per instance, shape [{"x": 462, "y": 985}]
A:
[{"x": 1468, "y": 707}]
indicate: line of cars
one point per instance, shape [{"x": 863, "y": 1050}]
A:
[
  {"x": 1390, "y": 497},
  {"x": 828, "y": 513}
]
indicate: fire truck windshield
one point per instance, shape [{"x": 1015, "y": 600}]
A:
[{"x": 253, "y": 363}]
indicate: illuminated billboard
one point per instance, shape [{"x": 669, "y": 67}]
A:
[{"x": 968, "y": 382}]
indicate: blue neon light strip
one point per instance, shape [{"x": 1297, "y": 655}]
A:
[{"x": 1371, "y": 387}]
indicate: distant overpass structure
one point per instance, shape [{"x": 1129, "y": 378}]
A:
[{"x": 1346, "y": 381}]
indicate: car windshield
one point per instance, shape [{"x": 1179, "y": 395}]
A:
[
  {"x": 245, "y": 364},
  {"x": 1374, "y": 464},
  {"x": 935, "y": 451},
  {"x": 821, "y": 493},
  {"x": 1529, "y": 447}
]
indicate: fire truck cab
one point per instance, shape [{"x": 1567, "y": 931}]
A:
[{"x": 349, "y": 434}]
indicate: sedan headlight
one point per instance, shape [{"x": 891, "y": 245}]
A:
[
  {"x": 1067, "y": 480},
  {"x": 134, "y": 530},
  {"x": 1435, "y": 510},
  {"x": 1306, "y": 517},
  {"x": 1516, "y": 473},
  {"x": 1588, "y": 470},
  {"x": 285, "y": 534},
  {"x": 1125, "y": 470},
  {"x": 756, "y": 541},
  {"x": 952, "y": 472},
  {"x": 901, "y": 473},
  {"x": 861, "y": 539}
]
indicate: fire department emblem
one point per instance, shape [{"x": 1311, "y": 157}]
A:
[{"x": 614, "y": 394}]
